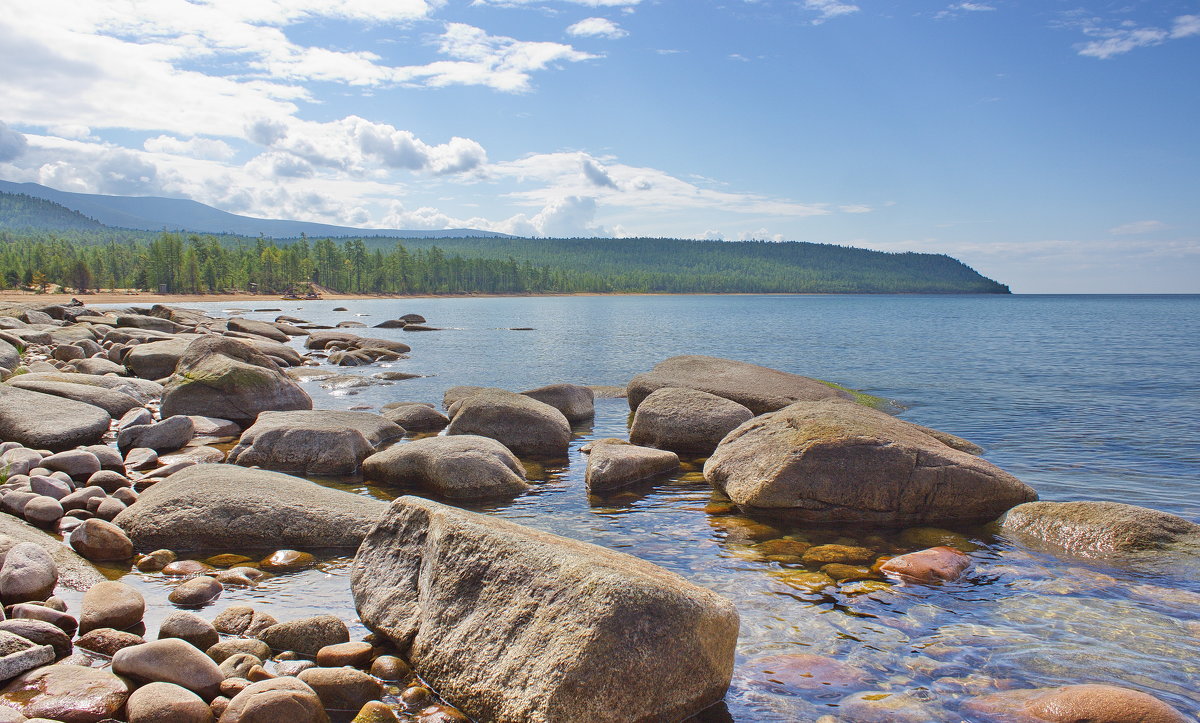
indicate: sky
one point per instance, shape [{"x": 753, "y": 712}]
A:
[{"x": 1051, "y": 145}]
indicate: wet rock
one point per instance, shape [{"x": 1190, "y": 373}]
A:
[
  {"x": 170, "y": 661},
  {"x": 28, "y": 573},
  {"x": 524, "y": 425},
  {"x": 578, "y": 404},
  {"x": 1099, "y": 528},
  {"x": 107, "y": 641},
  {"x": 39, "y": 420},
  {"x": 111, "y": 604},
  {"x": 186, "y": 568},
  {"x": 465, "y": 466},
  {"x": 34, "y": 611},
  {"x": 155, "y": 561},
  {"x": 287, "y": 561},
  {"x": 242, "y": 620},
  {"x": 844, "y": 554},
  {"x": 355, "y": 655},
  {"x": 220, "y": 506},
  {"x": 306, "y": 635},
  {"x": 415, "y": 416},
  {"x": 196, "y": 591},
  {"x": 313, "y": 442},
  {"x": 279, "y": 699},
  {"x": 18, "y": 655},
  {"x": 342, "y": 688},
  {"x": 222, "y": 651},
  {"x": 836, "y": 460},
  {"x": 896, "y": 706},
  {"x": 375, "y": 712},
  {"x": 226, "y": 378},
  {"x": 937, "y": 564},
  {"x": 40, "y": 632},
  {"x": 1074, "y": 704},
  {"x": 789, "y": 672},
  {"x": 390, "y": 668},
  {"x": 550, "y": 640},
  {"x": 760, "y": 389},
  {"x": 68, "y": 693},
  {"x": 238, "y": 666},
  {"x": 612, "y": 466},
  {"x": 190, "y": 628},
  {"x": 923, "y": 537},
  {"x": 100, "y": 541},
  {"x": 686, "y": 420},
  {"x": 169, "y": 434},
  {"x": 847, "y": 573},
  {"x": 166, "y": 703}
]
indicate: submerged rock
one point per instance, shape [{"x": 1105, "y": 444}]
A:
[
  {"x": 578, "y": 404},
  {"x": 761, "y": 389},
  {"x": 415, "y": 416},
  {"x": 1098, "y": 528},
  {"x": 516, "y": 624},
  {"x": 463, "y": 466},
  {"x": 1074, "y": 704},
  {"x": 313, "y": 442},
  {"x": 221, "y": 507},
  {"x": 836, "y": 460},
  {"x": 936, "y": 564},
  {"x": 612, "y": 466}
]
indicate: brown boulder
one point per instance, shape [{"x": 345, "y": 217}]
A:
[
  {"x": 686, "y": 420},
  {"x": 936, "y": 564},
  {"x": 1089, "y": 703},
  {"x": 760, "y": 389}
]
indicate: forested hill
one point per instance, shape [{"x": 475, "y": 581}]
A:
[
  {"x": 92, "y": 256},
  {"x": 19, "y": 211}
]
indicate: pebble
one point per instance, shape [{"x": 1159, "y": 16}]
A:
[
  {"x": 32, "y": 611},
  {"x": 280, "y": 699},
  {"x": 109, "y": 481},
  {"x": 238, "y": 665},
  {"x": 355, "y": 655},
  {"x": 306, "y": 635},
  {"x": 167, "y": 703},
  {"x": 390, "y": 668},
  {"x": 107, "y": 641},
  {"x": 196, "y": 592},
  {"x": 416, "y": 697},
  {"x": 99, "y": 541},
  {"x": 843, "y": 554},
  {"x": 170, "y": 661},
  {"x": 43, "y": 511},
  {"x": 242, "y": 620},
  {"x": 225, "y": 649},
  {"x": 182, "y": 568},
  {"x": 287, "y": 561},
  {"x": 155, "y": 561},
  {"x": 111, "y": 604},
  {"x": 227, "y": 560},
  {"x": 28, "y": 573},
  {"x": 67, "y": 692},
  {"x": 342, "y": 688},
  {"x": 190, "y": 628}
]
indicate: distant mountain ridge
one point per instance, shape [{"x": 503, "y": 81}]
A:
[{"x": 155, "y": 213}]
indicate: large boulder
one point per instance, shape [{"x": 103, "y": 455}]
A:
[
  {"x": 760, "y": 389},
  {"x": 115, "y": 403},
  {"x": 523, "y": 424},
  {"x": 225, "y": 507},
  {"x": 462, "y": 467},
  {"x": 157, "y": 359},
  {"x": 44, "y": 421},
  {"x": 840, "y": 461},
  {"x": 142, "y": 390},
  {"x": 686, "y": 420},
  {"x": 259, "y": 328},
  {"x": 578, "y": 404},
  {"x": 612, "y": 465},
  {"x": 1092, "y": 529},
  {"x": 73, "y": 571},
  {"x": 313, "y": 442},
  {"x": 415, "y": 416},
  {"x": 68, "y": 693},
  {"x": 227, "y": 378},
  {"x": 515, "y": 624}
]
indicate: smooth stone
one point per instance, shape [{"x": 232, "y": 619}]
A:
[
  {"x": 214, "y": 427},
  {"x": 275, "y": 700},
  {"x": 190, "y": 628},
  {"x": 237, "y": 666},
  {"x": 843, "y": 554},
  {"x": 181, "y": 568},
  {"x": 227, "y": 560},
  {"x": 100, "y": 541},
  {"x": 40, "y": 633},
  {"x": 77, "y": 463},
  {"x": 522, "y": 424},
  {"x": 166, "y": 703},
  {"x": 170, "y": 434},
  {"x": 1087, "y": 703},
  {"x": 342, "y": 688},
  {"x": 306, "y": 635},
  {"x": 287, "y": 561},
  {"x": 790, "y": 672},
  {"x": 170, "y": 661},
  {"x": 28, "y": 573},
  {"x": 612, "y": 466},
  {"x": 107, "y": 641},
  {"x": 78, "y": 500},
  {"x": 293, "y": 667},
  {"x": 196, "y": 592},
  {"x": 242, "y": 620},
  {"x": 155, "y": 561},
  {"x": 577, "y": 403},
  {"x": 141, "y": 458},
  {"x": 355, "y": 655},
  {"x": 464, "y": 466},
  {"x": 111, "y": 604},
  {"x": 68, "y": 693},
  {"x": 50, "y": 487},
  {"x": 936, "y": 564},
  {"x": 109, "y": 481},
  {"x": 1096, "y": 529},
  {"x": 415, "y": 416},
  {"x": 313, "y": 442},
  {"x": 223, "y": 650},
  {"x": 39, "y": 420},
  {"x": 686, "y": 420},
  {"x": 19, "y": 655},
  {"x": 390, "y": 668},
  {"x": 115, "y": 403},
  {"x": 761, "y": 389}
]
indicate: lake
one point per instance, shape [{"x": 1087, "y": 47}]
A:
[{"x": 1082, "y": 397}]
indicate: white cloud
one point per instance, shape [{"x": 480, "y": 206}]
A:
[
  {"x": 1112, "y": 41},
  {"x": 828, "y": 9},
  {"x": 597, "y": 28},
  {"x": 855, "y": 208},
  {"x": 963, "y": 7},
  {"x": 12, "y": 143},
  {"x": 588, "y": 3},
  {"x": 195, "y": 147},
  {"x": 1138, "y": 227}
]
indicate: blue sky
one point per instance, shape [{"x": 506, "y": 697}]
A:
[{"x": 1051, "y": 145}]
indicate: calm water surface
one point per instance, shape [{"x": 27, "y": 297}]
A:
[{"x": 1081, "y": 397}]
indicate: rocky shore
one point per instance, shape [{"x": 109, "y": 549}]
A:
[{"x": 162, "y": 438}]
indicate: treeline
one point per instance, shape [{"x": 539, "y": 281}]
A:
[
  {"x": 22, "y": 211},
  {"x": 192, "y": 263}
]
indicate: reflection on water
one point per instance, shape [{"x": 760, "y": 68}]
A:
[{"x": 833, "y": 638}]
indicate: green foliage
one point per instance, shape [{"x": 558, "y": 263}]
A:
[
  {"x": 18, "y": 210},
  {"x": 85, "y": 257}
]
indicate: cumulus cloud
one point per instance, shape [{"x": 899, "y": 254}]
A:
[
  {"x": 595, "y": 173},
  {"x": 597, "y": 28},
  {"x": 828, "y": 9},
  {"x": 195, "y": 147},
  {"x": 1112, "y": 41},
  {"x": 588, "y": 3},
  {"x": 12, "y": 143}
]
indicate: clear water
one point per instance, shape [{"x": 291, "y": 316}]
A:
[{"x": 1081, "y": 397}]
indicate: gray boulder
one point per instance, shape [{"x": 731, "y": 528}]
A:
[
  {"x": 169, "y": 434},
  {"x": 10, "y": 358},
  {"x": 224, "y": 507},
  {"x": 460, "y": 467},
  {"x": 760, "y": 389},
  {"x": 1094, "y": 529},
  {"x": 115, "y": 403},
  {"x": 523, "y": 424},
  {"x": 515, "y": 624},
  {"x": 313, "y": 442},
  {"x": 611, "y": 466},
  {"x": 260, "y": 328},
  {"x": 73, "y": 571},
  {"x": 415, "y": 416},
  {"x": 226, "y": 378},
  {"x": 142, "y": 390},
  {"x": 44, "y": 421},
  {"x": 686, "y": 420},
  {"x": 578, "y": 404},
  {"x": 840, "y": 461},
  {"x": 157, "y": 359},
  {"x": 98, "y": 366}
]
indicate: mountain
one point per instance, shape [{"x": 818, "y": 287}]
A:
[
  {"x": 154, "y": 213},
  {"x": 21, "y": 211}
]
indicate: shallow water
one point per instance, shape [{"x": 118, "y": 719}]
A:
[{"x": 1081, "y": 397}]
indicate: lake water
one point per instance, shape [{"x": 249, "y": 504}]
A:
[{"x": 1082, "y": 397}]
